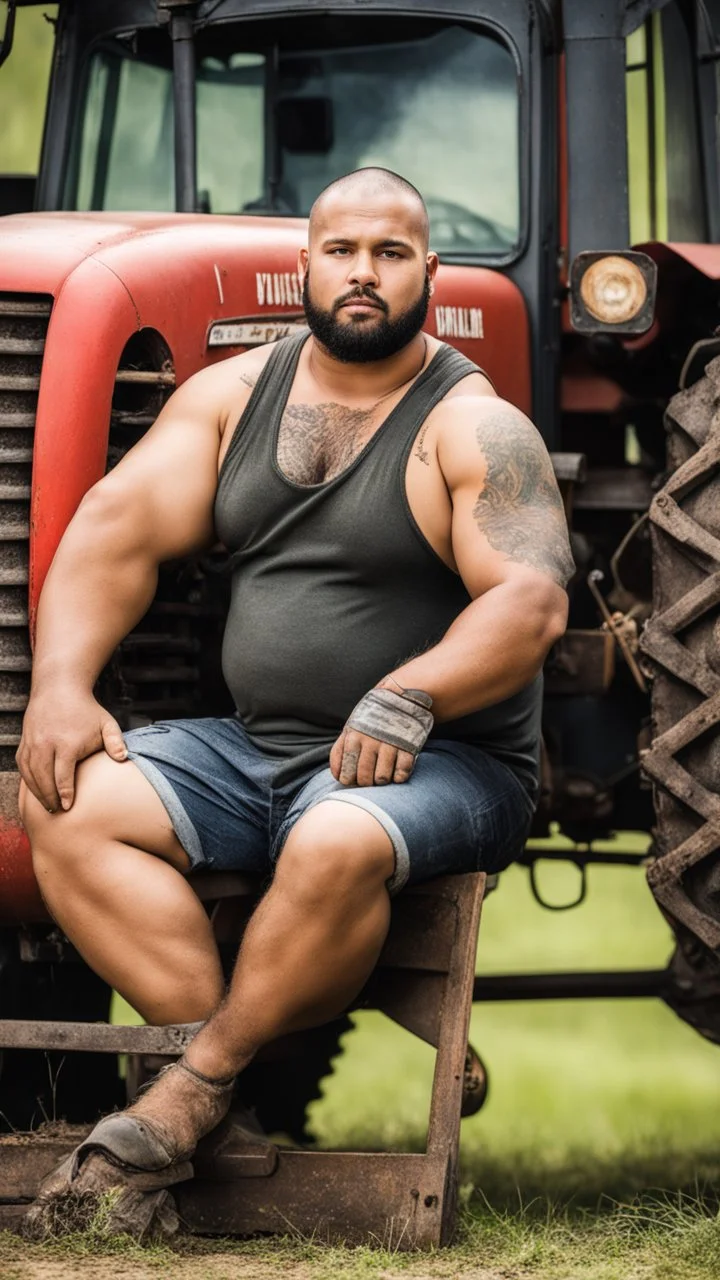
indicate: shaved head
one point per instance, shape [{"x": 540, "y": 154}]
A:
[
  {"x": 367, "y": 275},
  {"x": 371, "y": 186}
]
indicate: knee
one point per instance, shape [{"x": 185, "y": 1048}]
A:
[{"x": 337, "y": 849}]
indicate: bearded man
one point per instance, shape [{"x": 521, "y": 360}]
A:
[{"x": 399, "y": 555}]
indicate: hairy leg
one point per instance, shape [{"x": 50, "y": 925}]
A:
[
  {"x": 110, "y": 871},
  {"x": 307, "y": 952},
  {"x": 313, "y": 940}
]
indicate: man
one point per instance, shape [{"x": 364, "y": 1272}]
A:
[{"x": 399, "y": 555}]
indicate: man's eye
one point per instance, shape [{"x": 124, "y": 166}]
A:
[
  {"x": 390, "y": 253},
  {"x": 339, "y": 249}
]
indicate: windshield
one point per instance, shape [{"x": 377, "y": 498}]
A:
[{"x": 437, "y": 103}]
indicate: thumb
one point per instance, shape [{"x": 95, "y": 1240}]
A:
[{"x": 113, "y": 740}]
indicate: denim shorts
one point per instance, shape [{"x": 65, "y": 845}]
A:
[{"x": 461, "y": 810}]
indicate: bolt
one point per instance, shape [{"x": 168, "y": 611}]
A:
[{"x": 661, "y": 500}]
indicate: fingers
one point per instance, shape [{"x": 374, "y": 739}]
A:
[
  {"x": 113, "y": 740},
  {"x": 65, "y": 762},
  {"x": 351, "y": 754},
  {"x": 385, "y": 764},
  {"x": 336, "y": 756},
  {"x": 39, "y": 777},
  {"x": 357, "y": 760},
  {"x": 365, "y": 774},
  {"x": 404, "y": 766}
]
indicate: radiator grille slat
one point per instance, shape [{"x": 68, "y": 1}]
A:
[{"x": 23, "y": 328}]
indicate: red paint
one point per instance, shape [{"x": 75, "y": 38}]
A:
[{"x": 112, "y": 274}]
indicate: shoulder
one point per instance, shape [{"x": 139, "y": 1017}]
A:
[
  {"x": 475, "y": 432},
  {"x": 222, "y": 390}
]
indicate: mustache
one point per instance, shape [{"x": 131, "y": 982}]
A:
[{"x": 354, "y": 294}]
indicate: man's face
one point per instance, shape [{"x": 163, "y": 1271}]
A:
[{"x": 367, "y": 277}]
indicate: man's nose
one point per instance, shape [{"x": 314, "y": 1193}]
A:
[{"x": 363, "y": 271}]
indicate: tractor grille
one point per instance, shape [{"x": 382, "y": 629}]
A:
[
  {"x": 169, "y": 666},
  {"x": 23, "y": 327}
]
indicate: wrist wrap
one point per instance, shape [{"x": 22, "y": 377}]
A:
[{"x": 402, "y": 720}]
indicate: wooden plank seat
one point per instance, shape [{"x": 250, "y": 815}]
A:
[{"x": 424, "y": 982}]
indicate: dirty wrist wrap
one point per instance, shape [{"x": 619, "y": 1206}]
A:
[{"x": 403, "y": 720}]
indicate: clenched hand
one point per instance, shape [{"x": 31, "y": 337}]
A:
[{"x": 61, "y": 728}]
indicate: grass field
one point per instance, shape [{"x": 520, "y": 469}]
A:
[{"x": 597, "y": 1156}]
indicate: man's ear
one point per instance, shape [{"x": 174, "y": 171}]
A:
[
  {"x": 302, "y": 266},
  {"x": 432, "y": 265}
]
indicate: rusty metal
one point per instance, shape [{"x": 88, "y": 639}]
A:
[
  {"x": 616, "y": 624},
  {"x": 96, "y": 1037},
  {"x": 630, "y": 984},
  {"x": 23, "y": 329},
  {"x": 614, "y": 489},
  {"x": 681, "y": 640},
  {"x": 581, "y": 661},
  {"x": 243, "y": 1184},
  {"x": 146, "y": 377}
]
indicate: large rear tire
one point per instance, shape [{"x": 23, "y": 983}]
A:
[{"x": 682, "y": 641}]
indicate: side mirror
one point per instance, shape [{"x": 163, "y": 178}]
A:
[
  {"x": 7, "y": 27},
  {"x": 17, "y": 193}
]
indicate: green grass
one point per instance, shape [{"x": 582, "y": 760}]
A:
[
  {"x": 597, "y": 1156},
  {"x": 23, "y": 88}
]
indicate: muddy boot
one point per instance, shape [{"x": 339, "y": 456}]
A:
[{"x": 123, "y": 1168}]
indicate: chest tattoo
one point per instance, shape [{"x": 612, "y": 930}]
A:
[{"x": 319, "y": 441}]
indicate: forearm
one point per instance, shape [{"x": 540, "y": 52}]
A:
[
  {"x": 495, "y": 647},
  {"x": 101, "y": 582}
]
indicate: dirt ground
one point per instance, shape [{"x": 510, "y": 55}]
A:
[{"x": 207, "y": 1268}]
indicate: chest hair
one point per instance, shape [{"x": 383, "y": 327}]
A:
[{"x": 317, "y": 442}]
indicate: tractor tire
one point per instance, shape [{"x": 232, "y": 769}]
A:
[
  {"x": 38, "y": 1086},
  {"x": 681, "y": 643}
]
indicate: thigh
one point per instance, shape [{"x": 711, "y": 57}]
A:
[
  {"x": 214, "y": 786},
  {"x": 461, "y": 810},
  {"x": 113, "y": 801}
]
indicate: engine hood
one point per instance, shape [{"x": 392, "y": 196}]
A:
[{"x": 39, "y": 251}]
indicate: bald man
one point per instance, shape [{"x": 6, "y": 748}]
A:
[{"x": 399, "y": 555}]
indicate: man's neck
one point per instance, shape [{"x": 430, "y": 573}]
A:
[{"x": 346, "y": 382}]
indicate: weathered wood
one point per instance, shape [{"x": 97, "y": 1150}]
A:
[
  {"x": 393, "y": 1200},
  {"x": 96, "y": 1037}
]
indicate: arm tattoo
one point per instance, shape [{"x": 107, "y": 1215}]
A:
[
  {"x": 520, "y": 510},
  {"x": 249, "y": 379}
]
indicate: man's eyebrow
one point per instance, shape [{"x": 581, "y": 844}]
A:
[{"x": 381, "y": 244}]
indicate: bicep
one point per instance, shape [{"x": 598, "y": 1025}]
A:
[
  {"x": 162, "y": 491},
  {"x": 508, "y": 516}
]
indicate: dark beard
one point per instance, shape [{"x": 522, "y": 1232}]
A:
[{"x": 360, "y": 343}]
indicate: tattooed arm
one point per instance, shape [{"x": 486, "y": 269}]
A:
[{"x": 511, "y": 548}]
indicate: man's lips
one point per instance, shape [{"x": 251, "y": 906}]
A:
[{"x": 361, "y": 304}]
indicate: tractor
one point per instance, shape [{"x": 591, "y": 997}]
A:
[{"x": 569, "y": 154}]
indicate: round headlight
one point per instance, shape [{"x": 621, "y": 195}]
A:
[{"x": 613, "y": 290}]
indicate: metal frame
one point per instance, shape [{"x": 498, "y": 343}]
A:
[{"x": 424, "y": 982}]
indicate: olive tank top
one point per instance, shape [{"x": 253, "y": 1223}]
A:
[{"x": 334, "y": 584}]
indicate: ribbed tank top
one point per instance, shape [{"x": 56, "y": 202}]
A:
[{"x": 334, "y": 584}]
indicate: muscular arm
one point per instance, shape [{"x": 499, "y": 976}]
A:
[
  {"x": 156, "y": 505},
  {"x": 510, "y": 542}
]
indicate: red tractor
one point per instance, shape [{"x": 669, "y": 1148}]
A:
[{"x": 568, "y": 151}]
